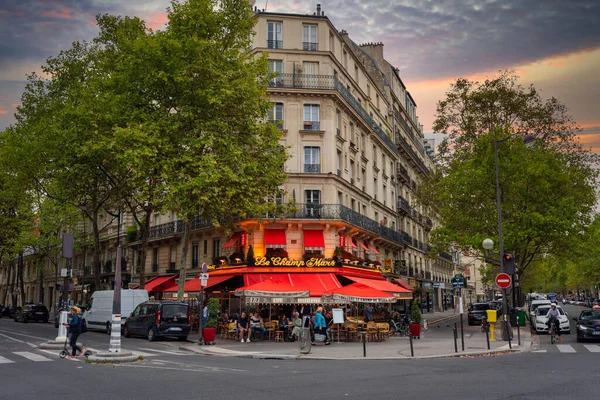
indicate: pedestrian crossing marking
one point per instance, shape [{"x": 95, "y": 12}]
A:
[
  {"x": 5, "y": 360},
  {"x": 565, "y": 348},
  {"x": 31, "y": 356},
  {"x": 593, "y": 348}
]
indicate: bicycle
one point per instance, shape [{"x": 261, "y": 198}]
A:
[
  {"x": 399, "y": 327},
  {"x": 554, "y": 336}
]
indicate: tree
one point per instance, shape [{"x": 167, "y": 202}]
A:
[
  {"x": 547, "y": 191},
  {"x": 229, "y": 158}
]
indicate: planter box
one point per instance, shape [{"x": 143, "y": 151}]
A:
[
  {"x": 415, "y": 330},
  {"x": 208, "y": 335}
]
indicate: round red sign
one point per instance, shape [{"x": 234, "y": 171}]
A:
[{"x": 503, "y": 281}]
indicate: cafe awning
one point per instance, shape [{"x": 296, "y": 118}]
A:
[
  {"x": 371, "y": 247},
  {"x": 154, "y": 285},
  {"x": 275, "y": 238},
  {"x": 363, "y": 244},
  {"x": 359, "y": 293},
  {"x": 272, "y": 287},
  {"x": 314, "y": 240},
  {"x": 404, "y": 285},
  {"x": 193, "y": 285},
  {"x": 383, "y": 285},
  {"x": 316, "y": 283},
  {"x": 232, "y": 240}
]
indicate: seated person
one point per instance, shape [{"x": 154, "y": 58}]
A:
[
  {"x": 242, "y": 327},
  {"x": 256, "y": 325}
]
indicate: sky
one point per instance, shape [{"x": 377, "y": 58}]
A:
[{"x": 553, "y": 44}]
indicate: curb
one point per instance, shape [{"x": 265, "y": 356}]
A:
[
  {"x": 437, "y": 321},
  {"x": 113, "y": 358}
]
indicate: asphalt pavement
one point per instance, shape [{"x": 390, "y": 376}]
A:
[{"x": 24, "y": 374}]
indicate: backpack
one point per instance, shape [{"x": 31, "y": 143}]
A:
[{"x": 82, "y": 325}]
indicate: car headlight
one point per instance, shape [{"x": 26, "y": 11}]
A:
[{"x": 583, "y": 327}]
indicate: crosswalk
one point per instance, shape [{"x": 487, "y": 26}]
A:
[
  {"x": 17, "y": 356},
  {"x": 567, "y": 348}
]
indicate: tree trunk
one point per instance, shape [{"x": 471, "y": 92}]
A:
[
  {"x": 21, "y": 283},
  {"x": 145, "y": 233},
  {"x": 55, "y": 298},
  {"x": 14, "y": 283},
  {"x": 184, "y": 249},
  {"x": 96, "y": 253}
]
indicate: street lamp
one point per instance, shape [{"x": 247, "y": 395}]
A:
[{"x": 529, "y": 140}]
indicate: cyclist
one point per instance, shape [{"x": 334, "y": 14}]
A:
[{"x": 553, "y": 322}]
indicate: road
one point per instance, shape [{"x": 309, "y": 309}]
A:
[{"x": 549, "y": 375}]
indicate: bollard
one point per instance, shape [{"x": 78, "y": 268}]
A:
[
  {"x": 492, "y": 338},
  {"x": 364, "y": 335},
  {"x": 462, "y": 333},
  {"x": 519, "y": 334},
  {"x": 455, "y": 338},
  {"x": 509, "y": 334},
  {"x": 412, "y": 352},
  {"x": 487, "y": 336}
]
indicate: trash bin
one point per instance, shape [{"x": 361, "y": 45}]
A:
[
  {"x": 521, "y": 317},
  {"x": 513, "y": 317}
]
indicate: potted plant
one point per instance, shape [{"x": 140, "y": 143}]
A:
[
  {"x": 415, "y": 319},
  {"x": 210, "y": 332}
]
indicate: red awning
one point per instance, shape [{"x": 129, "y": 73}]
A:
[
  {"x": 193, "y": 285},
  {"x": 353, "y": 243},
  {"x": 316, "y": 284},
  {"x": 363, "y": 244},
  {"x": 382, "y": 285},
  {"x": 314, "y": 240},
  {"x": 275, "y": 238},
  {"x": 232, "y": 240},
  {"x": 404, "y": 285},
  {"x": 154, "y": 284},
  {"x": 272, "y": 287},
  {"x": 359, "y": 293}
]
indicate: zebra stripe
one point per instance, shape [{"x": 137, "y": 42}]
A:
[{"x": 115, "y": 334}]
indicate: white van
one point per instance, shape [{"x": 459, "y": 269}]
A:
[{"x": 98, "y": 314}]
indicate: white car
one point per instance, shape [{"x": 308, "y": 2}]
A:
[
  {"x": 541, "y": 321},
  {"x": 534, "y": 305}
]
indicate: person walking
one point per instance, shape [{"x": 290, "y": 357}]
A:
[
  {"x": 320, "y": 325},
  {"x": 74, "y": 325}
]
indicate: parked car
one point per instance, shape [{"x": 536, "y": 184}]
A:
[
  {"x": 477, "y": 311},
  {"x": 154, "y": 319},
  {"x": 29, "y": 313},
  {"x": 496, "y": 305},
  {"x": 587, "y": 325},
  {"x": 541, "y": 321},
  {"x": 98, "y": 314},
  {"x": 534, "y": 305}
]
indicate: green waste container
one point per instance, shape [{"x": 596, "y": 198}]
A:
[{"x": 521, "y": 317}]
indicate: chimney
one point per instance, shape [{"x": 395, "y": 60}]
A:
[{"x": 318, "y": 9}]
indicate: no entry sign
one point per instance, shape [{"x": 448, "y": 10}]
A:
[{"x": 503, "y": 281}]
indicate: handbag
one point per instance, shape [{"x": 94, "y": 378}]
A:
[{"x": 319, "y": 337}]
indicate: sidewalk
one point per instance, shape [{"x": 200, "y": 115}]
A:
[{"x": 435, "y": 343}]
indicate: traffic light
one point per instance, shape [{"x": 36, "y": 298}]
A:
[{"x": 509, "y": 264}]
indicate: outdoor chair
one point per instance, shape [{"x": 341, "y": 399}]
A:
[{"x": 232, "y": 332}]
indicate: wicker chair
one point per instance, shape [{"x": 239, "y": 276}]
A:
[
  {"x": 232, "y": 332},
  {"x": 384, "y": 330}
]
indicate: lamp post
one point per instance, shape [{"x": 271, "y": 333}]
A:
[{"x": 488, "y": 244}]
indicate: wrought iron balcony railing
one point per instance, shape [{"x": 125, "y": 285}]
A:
[
  {"x": 311, "y": 125},
  {"x": 312, "y": 168},
  {"x": 310, "y": 46},
  {"x": 275, "y": 44},
  {"x": 403, "y": 205}
]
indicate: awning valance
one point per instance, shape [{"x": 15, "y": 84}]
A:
[
  {"x": 232, "y": 240},
  {"x": 353, "y": 243},
  {"x": 272, "y": 287},
  {"x": 314, "y": 240},
  {"x": 359, "y": 293},
  {"x": 383, "y": 285},
  {"x": 363, "y": 244},
  {"x": 193, "y": 285},
  {"x": 371, "y": 247},
  {"x": 275, "y": 238},
  {"x": 156, "y": 284},
  {"x": 316, "y": 283}
]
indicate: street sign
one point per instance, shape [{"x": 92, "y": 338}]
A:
[
  {"x": 203, "y": 282},
  {"x": 204, "y": 276},
  {"x": 204, "y": 268},
  {"x": 458, "y": 282},
  {"x": 503, "y": 281}
]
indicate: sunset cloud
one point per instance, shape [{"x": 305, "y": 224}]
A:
[{"x": 3, "y": 112}]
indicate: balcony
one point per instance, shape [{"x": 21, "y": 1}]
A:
[
  {"x": 312, "y": 168},
  {"x": 170, "y": 228},
  {"x": 446, "y": 256},
  {"x": 311, "y": 126},
  {"x": 409, "y": 131},
  {"x": 275, "y": 44},
  {"x": 407, "y": 148},
  {"x": 402, "y": 173},
  {"x": 278, "y": 123},
  {"x": 403, "y": 205},
  {"x": 329, "y": 82},
  {"x": 310, "y": 46}
]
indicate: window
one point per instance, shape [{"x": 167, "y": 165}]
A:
[
  {"x": 313, "y": 201},
  {"x": 338, "y": 121},
  {"x": 340, "y": 198},
  {"x": 345, "y": 59},
  {"x": 351, "y": 172},
  {"x": 194, "y": 254},
  {"x": 172, "y": 257},
  {"x": 274, "y": 35},
  {"x": 205, "y": 247},
  {"x": 312, "y": 161},
  {"x": 276, "y": 112},
  {"x": 311, "y": 117},
  {"x": 331, "y": 42},
  {"x": 368, "y": 90},
  {"x": 155, "y": 259},
  {"x": 309, "y": 38},
  {"x": 216, "y": 247},
  {"x": 277, "y": 67},
  {"x": 352, "y": 138},
  {"x": 339, "y": 163},
  {"x": 356, "y": 73}
]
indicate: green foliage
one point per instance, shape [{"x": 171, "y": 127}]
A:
[
  {"x": 547, "y": 191},
  {"x": 132, "y": 233},
  {"x": 415, "y": 312},
  {"x": 250, "y": 257},
  {"x": 213, "y": 311}
]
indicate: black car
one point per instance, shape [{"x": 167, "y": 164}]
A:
[
  {"x": 588, "y": 325},
  {"x": 477, "y": 311},
  {"x": 154, "y": 319},
  {"x": 28, "y": 313}
]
